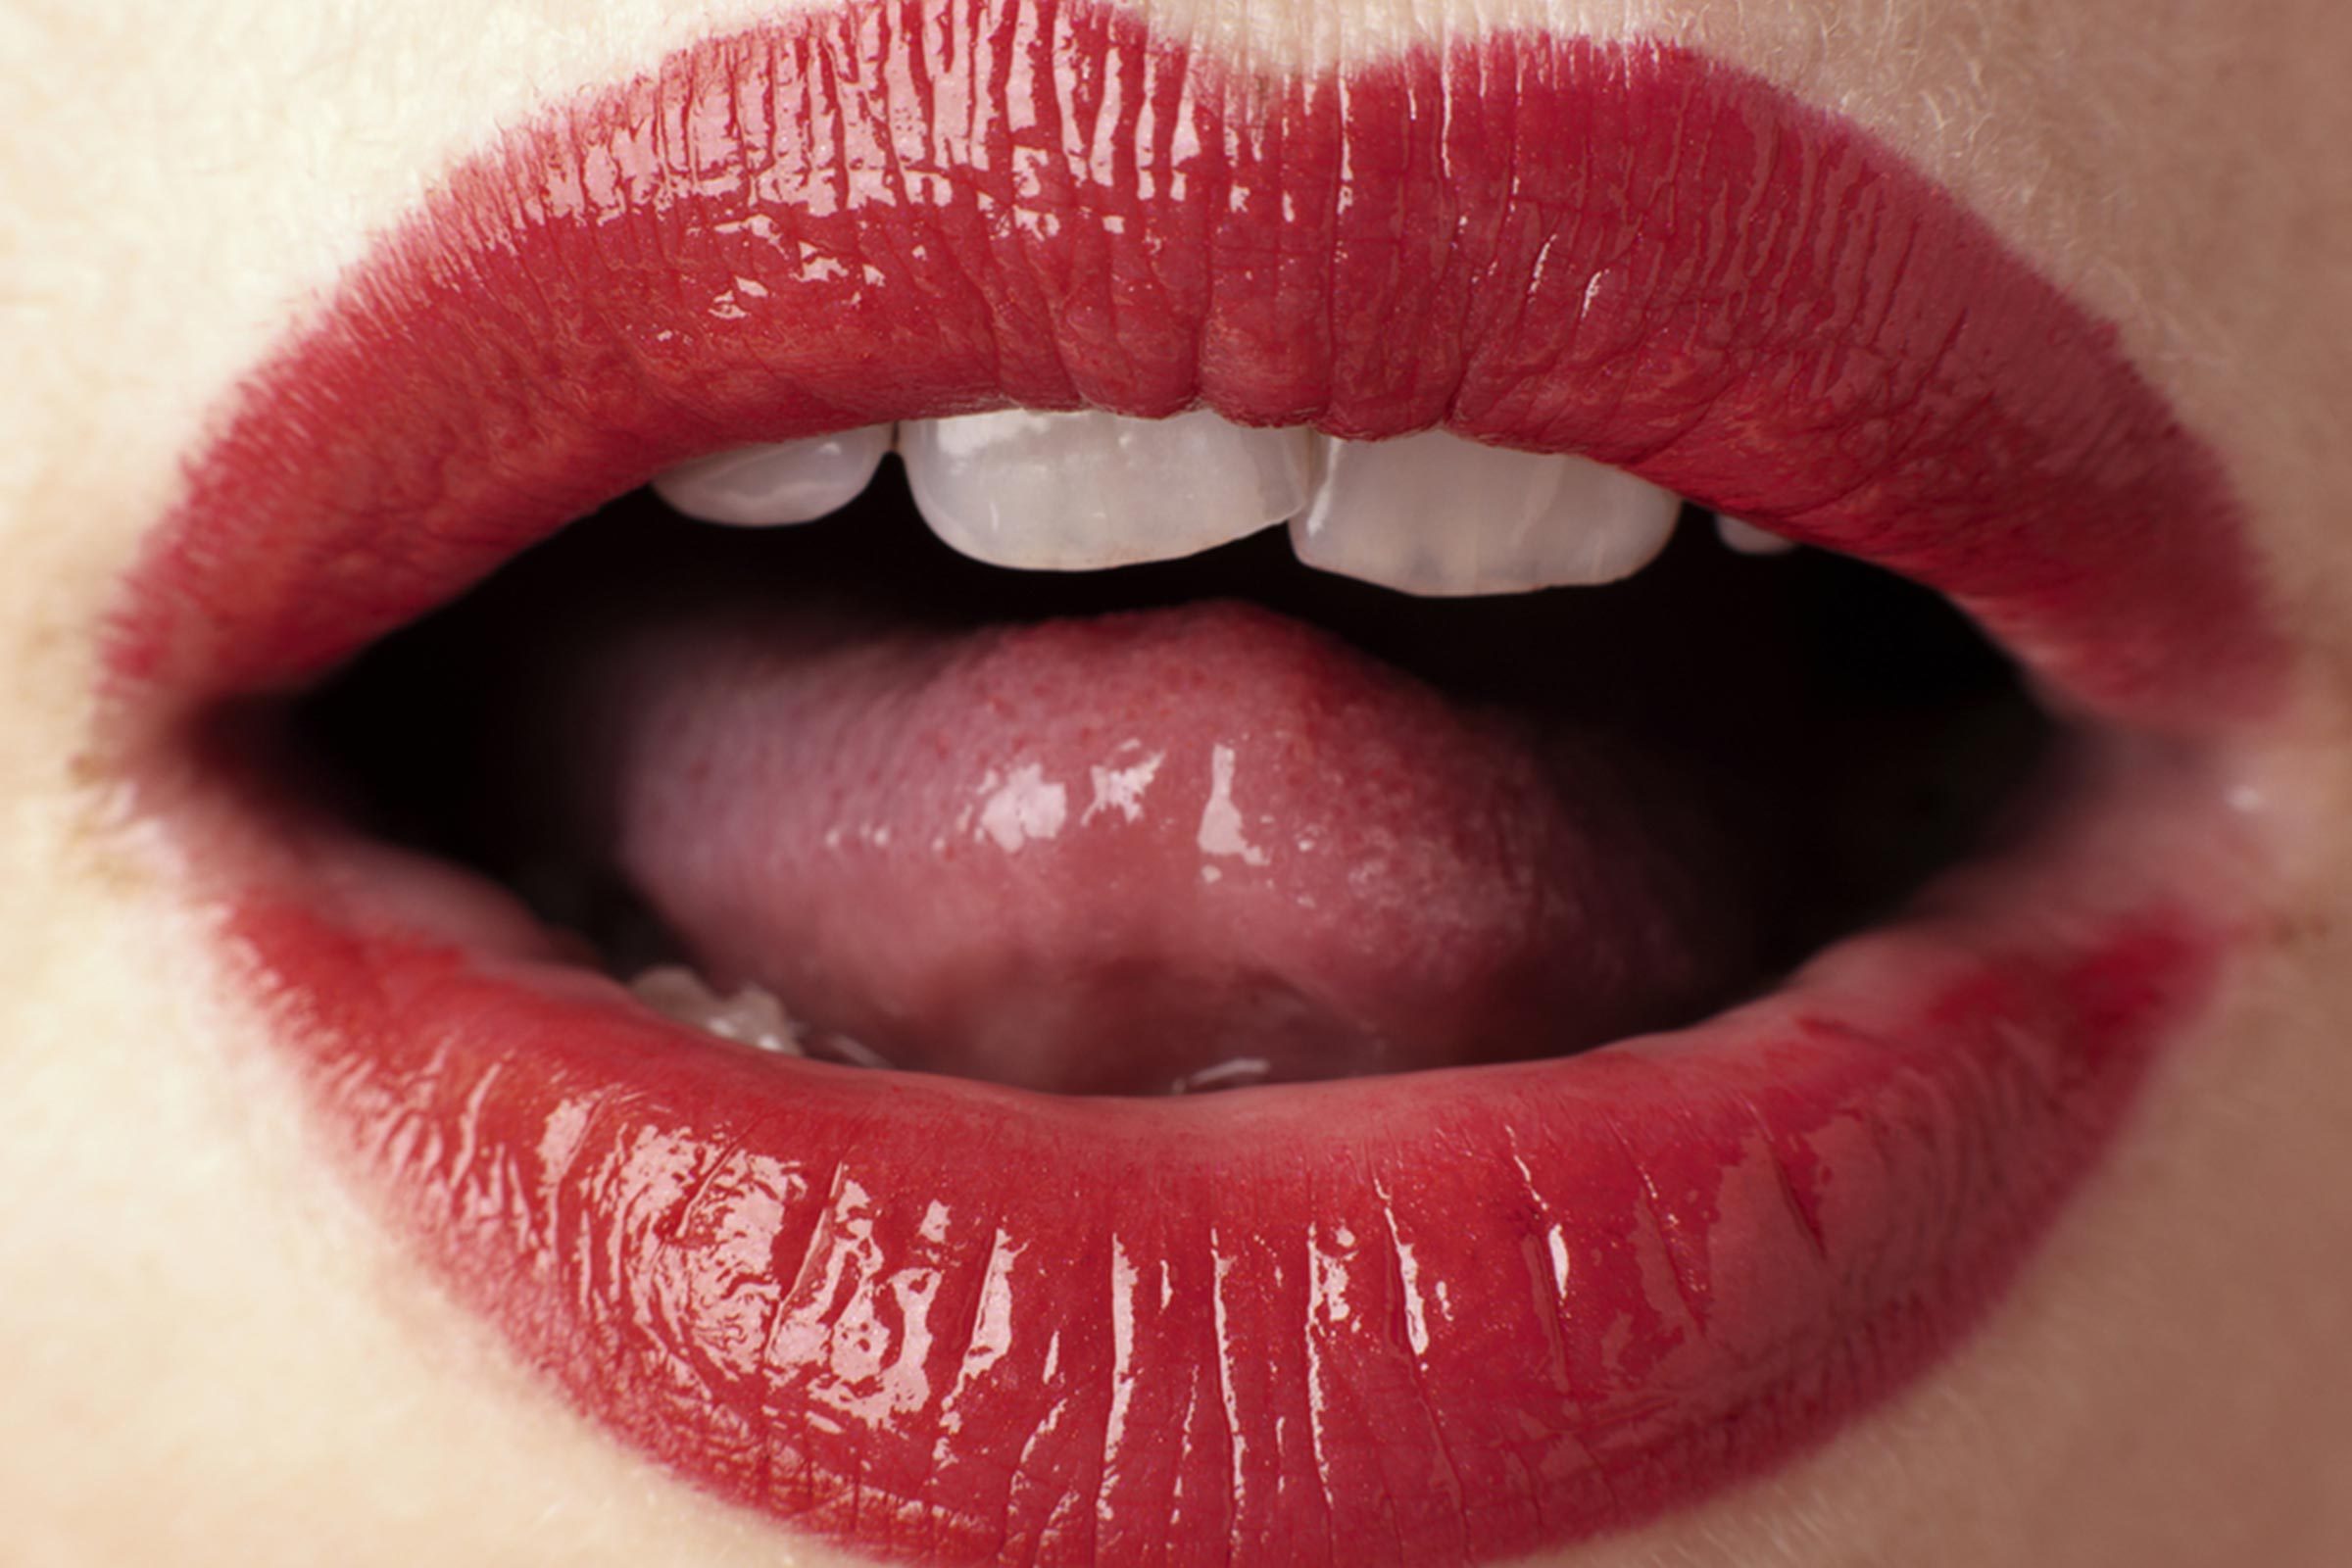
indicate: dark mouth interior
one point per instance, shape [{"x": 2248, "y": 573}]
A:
[{"x": 1847, "y": 733}]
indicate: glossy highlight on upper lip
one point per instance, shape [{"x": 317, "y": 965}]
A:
[
  {"x": 876, "y": 211},
  {"x": 1453, "y": 1318}
]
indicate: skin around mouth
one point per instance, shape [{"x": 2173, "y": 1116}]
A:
[{"x": 1452, "y": 1317}]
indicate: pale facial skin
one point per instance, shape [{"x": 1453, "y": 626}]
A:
[{"x": 211, "y": 1354}]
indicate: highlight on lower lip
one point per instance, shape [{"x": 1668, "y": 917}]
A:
[{"x": 1440, "y": 1319}]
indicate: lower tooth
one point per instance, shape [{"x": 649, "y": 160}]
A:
[
  {"x": 749, "y": 1017},
  {"x": 1437, "y": 515},
  {"x": 1078, "y": 492},
  {"x": 1750, "y": 540},
  {"x": 1238, "y": 1072},
  {"x": 795, "y": 481}
]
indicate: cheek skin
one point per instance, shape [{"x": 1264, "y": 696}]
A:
[{"x": 217, "y": 1329}]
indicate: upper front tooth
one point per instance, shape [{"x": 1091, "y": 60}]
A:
[
  {"x": 792, "y": 481},
  {"x": 1073, "y": 492},
  {"x": 1437, "y": 515}
]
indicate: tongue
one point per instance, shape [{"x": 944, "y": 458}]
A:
[{"x": 1141, "y": 851}]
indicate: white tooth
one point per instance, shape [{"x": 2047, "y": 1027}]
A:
[
  {"x": 1750, "y": 540},
  {"x": 793, "y": 481},
  {"x": 749, "y": 1018},
  {"x": 1076, "y": 492},
  {"x": 1436, "y": 514}
]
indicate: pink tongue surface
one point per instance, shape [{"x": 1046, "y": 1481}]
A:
[{"x": 1182, "y": 846}]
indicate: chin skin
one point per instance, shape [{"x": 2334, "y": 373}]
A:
[{"x": 212, "y": 1355}]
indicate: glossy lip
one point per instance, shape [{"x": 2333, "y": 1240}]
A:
[{"x": 1447, "y": 1318}]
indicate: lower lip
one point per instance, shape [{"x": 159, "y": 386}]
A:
[{"x": 1450, "y": 1317}]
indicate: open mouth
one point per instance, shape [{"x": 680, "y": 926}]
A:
[
  {"x": 1363, "y": 990},
  {"x": 1219, "y": 821}
]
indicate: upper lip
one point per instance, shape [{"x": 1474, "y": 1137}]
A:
[
  {"x": 1723, "y": 291},
  {"x": 1855, "y": 361}
]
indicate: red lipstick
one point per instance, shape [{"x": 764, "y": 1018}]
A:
[{"x": 1442, "y": 1317}]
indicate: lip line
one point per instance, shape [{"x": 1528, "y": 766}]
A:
[{"x": 155, "y": 667}]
